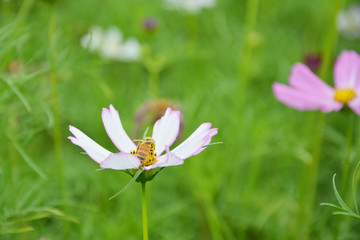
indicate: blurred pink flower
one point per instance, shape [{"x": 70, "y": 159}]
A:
[
  {"x": 308, "y": 92},
  {"x": 164, "y": 134}
]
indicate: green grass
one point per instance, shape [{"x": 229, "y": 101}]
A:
[{"x": 246, "y": 188}]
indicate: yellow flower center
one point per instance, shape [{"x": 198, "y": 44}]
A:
[
  {"x": 344, "y": 95},
  {"x": 145, "y": 152}
]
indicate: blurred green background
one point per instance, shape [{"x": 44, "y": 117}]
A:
[{"x": 216, "y": 66}]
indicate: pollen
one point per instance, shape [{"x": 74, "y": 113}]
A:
[
  {"x": 344, "y": 95},
  {"x": 150, "y": 160}
]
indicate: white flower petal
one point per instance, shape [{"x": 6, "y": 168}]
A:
[
  {"x": 166, "y": 130},
  {"x": 196, "y": 142},
  {"x": 121, "y": 161},
  {"x": 172, "y": 160},
  {"x": 94, "y": 150},
  {"x": 116, "y": 131}
]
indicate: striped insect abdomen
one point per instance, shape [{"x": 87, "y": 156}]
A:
[{"x": 143, "y": 151}]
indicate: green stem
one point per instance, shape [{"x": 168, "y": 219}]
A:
[
  {"x": 245, "y": 59},
  {"x": 55, "y": 102},
  {"x": 342, "y": 226},
  {"x": 144, "y": 212},
  {"x": 23, "y": 12},
  {"x": 153, "y": 82},
  {"x": 345, "y": 173},
  {"x": 308, "y": 190},
  {"x": 309, "y": 180},
  {"x": 57, "y": 134},
  {"x": 13, "y": 156},
  {"x": 330, "y": 39},
  {"x": 192, "y": 28}
]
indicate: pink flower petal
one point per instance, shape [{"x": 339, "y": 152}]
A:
[
  {"x": 94, "y": 150},
  {"x": 347, "y": 70},
  {"x": 121, "y": 161},
  {"x": 304, "y": 79},
  {"x": 166, "y": 130},
  {"x": 301, "y": 100},
  {"x": 116, "y": 131},
  {"x": 354, "y": 104},
  {"x": 195, "y": 143}
]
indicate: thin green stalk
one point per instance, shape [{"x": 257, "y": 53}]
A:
[
  {"x": 245, "y": 59},
  {"x": 192, "y": 28},
  {"x": 330, "y": 39},
  {"x": 345, "y": 172},
  {"x": 13, "y": 155},
  {"x": 57, "y": 138},
  {"x": 154, "y": 66},
  {"x": 342, "y": 226},
  {"x": 6, "y": 12},
  {"x": 308, "y": 191},
  {"x": 55, "y": 102},
  {"x": 23, "y": 12},
  {"x": 354, "y": 187},
  {"x": 153, "y": 82},
  {"x": 144, "y": 212},
  {"x": 308, "y": 187}
]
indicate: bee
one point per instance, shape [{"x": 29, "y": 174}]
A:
[{"x": 145, "y": 151}]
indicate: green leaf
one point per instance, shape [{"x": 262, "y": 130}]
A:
[
  {"x": 27, "y": 159},
  {"x": 129, "y": 184},
  {"x": 354, "y": 187},
  {"x": 146, "y": 131},
  {"x": 338, "y": 197},
  {"x": 18, "y": 93},
  {"x": 331, "y": 205},
  {"x": 346, "y": 214},
  {"x": 15, "y": 230}
]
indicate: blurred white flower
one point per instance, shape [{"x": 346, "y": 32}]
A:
[
  {"x": 192, "y": 6},
  {"x": 111, "y": 45},
  {"x": 349, "y": 22}
]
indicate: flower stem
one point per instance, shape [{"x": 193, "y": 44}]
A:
[
  {"x": 55, "y": 101},
  {"x": 153, "y": 82},
  {"x": 343, "y": 225},
  {"x": 345, "y": 172},
  {"x": 309, "y": 180},
  {"x": 57, "y": 135},
  {"x": 246, "y": 55},
  {"x": 144, "y": 212},
  {"x": 308, "y": 190}
]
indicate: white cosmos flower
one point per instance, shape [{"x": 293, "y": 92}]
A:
[
  {"x": 164, "y": 134},
  {"x": 111, "y": 45},
  {"x": 193, "y": 6},
  {"x": 349, "y": 22}
]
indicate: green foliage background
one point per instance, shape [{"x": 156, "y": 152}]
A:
[{"x": 219, "y": 66}]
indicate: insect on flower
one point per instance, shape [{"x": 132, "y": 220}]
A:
[
  {"x": 148, "y": 153},
  {"x": 145, "y": 151}
]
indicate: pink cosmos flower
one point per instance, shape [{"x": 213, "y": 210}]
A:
[
  {"x": 308, "y": 92},
  {"x": 164, "y": 134}
]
